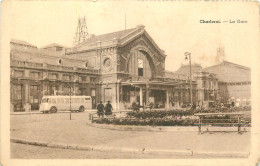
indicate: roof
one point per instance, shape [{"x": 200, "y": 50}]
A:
[
  {"x": 22, "y": 42},
  {"x": 229, "y": 63},
  {"x": 53, "y": 45},
  {"x": 122, "y": 38},
  {"x": 230, "y": 72},
  {"x": 108, "y": 36},
  {"x": 185, "y": 69},
  {"x": 174, "y": 75}
]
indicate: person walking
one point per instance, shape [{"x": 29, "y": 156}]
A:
[
  {"x": 108, "y": 108},
  {"x": 100, "y": 109},
  {"x": 138, "y": 106},
  {"x": 134, "y": 106}
]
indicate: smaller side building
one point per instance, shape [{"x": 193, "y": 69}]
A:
[
  {"x": 36, "y": 72},
  {"x": 234, "y": 82}
]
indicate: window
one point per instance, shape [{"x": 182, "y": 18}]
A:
[
  {"x": 66, "y": 77},
  {"x": 140, "y": 71},
  {"x": 203, "y": 84},
  {"x": 54, "y": 76},
  {"x": 140, "y": 67},
  {"x": 34, "y": 74},
  {"x": 87, "y": 100},
  {"x": 53, "y": 100},
  {"x": 126, "y": 94},
  {"x": 82, "y": 91},
  {"x": 58, "y": 48},
  {"x": 93, "y": 92},
  {"x": 67, "y": 100},
  {"x": 45, "y": 100},
  {"x": 77, "y": 100},
  {"x": 66, "y": 90},
  {"x": 17, "y": 92},
  {"x": 92, "y": 79},
  {"x": 82, "y": 78},
  {"x": 206, "y": 85},
  {"x": 60, "y": 100},
  {"x": 18, "y": 73},
  {"x": 59, "y": 61}
]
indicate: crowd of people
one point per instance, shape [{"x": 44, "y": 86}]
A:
[{"x": 107, "y": 109}]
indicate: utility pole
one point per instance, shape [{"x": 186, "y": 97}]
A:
[
  {"x": 188, "y": 56},
  {"x": 125, "y": 21}
]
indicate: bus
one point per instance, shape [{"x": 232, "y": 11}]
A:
[{"x": 53, "y": 104}]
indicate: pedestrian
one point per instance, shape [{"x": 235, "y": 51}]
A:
[
  {"x": 100, "y": 109},
  {"x": 134, "y": 106},
  {"x": 108, "y": 108},
  {"x": 138, "y": 106}
]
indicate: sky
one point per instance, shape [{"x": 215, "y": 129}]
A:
[{"x": 174, "y": 26}]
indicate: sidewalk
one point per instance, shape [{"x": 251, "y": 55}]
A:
[
  {"x": 38, "y": 112},
  {"x": 56, "y": 130}
]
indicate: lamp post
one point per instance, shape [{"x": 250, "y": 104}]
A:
[
  {"x": 70, "y": 102},
  {"x": 188, "y": 57},
  {"x": 69, "y": 86}
]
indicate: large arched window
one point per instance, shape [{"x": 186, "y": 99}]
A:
[{"x": 138, "y": 65}]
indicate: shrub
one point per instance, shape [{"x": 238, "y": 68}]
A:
[
  {"x": 148, "y": 122},
  {"x": 158, "y": 114}
]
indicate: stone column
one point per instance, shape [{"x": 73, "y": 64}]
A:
[
  {"x": 167, "y": 100},
  {"x": 147, "y": 93},
  {"x": 117, "y": 96},
  {"x": 114, "y": 96},
  {"x": 27, "y": 105},
  {"x": 181, "y": 98},
  {"x": 141, "y": 96}
]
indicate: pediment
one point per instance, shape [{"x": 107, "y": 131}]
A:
[{"x": 144, "y": 39}]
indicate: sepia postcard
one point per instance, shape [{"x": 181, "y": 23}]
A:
[{"x": 160, "y": 82}]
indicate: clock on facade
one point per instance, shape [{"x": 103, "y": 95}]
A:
[
  {"x": 107, "y": 64},
  {"x": 140, "y": 63}
]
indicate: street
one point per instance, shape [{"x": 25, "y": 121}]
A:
[{"x": 58, "y": 128}]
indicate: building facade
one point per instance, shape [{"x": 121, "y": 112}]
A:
[
  {"x": 37, "y": 72},
  {"x": 122, "y": 67},
  {"x": 234, "y": 82}
]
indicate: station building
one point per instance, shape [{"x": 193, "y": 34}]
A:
[{"x": 121, "y": 67}]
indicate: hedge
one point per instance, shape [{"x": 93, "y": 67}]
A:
[
  {"x": 176, "y": 112},
  {"x": 162, "y": 122},
  {"x": 158, "y": 114},
  {"x": 147, "y": 122}
]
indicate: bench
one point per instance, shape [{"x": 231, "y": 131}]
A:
[{"x": 233, "y": 119}]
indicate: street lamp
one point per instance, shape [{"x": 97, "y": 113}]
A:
[
  {"x": 70, "y": 102},
  {"x": 188, "y": 57},
  {"x": 69, "y": 86}
]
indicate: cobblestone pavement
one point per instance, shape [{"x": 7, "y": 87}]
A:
[{"x": 58, "y": 128}]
